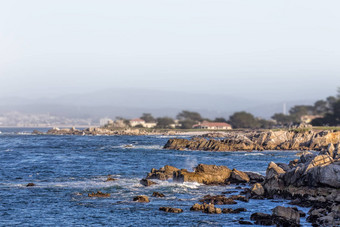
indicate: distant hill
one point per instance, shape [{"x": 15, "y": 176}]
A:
[{"x": 133, "y": 102}]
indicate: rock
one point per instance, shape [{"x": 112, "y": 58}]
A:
[
  {"x": 110, "y": 178},
  {"x": 206, "y": 174},
  {"x": 146, "y": 182},
  {"x": 163, "y": 173},
  {"x": 227, "y": 210},
  {"x": 197, "y": 207},
  {"x": 257, "y": 189},
  {"x": 158, "y": 194},
  {"x": 231, "y": 211},
  {"x": 330, "y": 150},
  {"x": 238, "y": 177},
  {"x": 239, "y": 197},
  {"x": 241, "y": 222},
  {"x": 286, "y": 216},
  {"x": 255, "y": 177},
  {"x": 273, "y": 170},
  {"x": 30, "y": 185},
  {"x": 206, "y": 208},
  {"x": 262, "y": 219},
  {"x": 141, "y": 199},
  {"x": 283, "y": 166},
  {"x": 217, "y": 200},
  {"x": 171, "y": 210},
  {"x": 99, "y": 194}
]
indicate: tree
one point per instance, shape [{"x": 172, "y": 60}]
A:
[
  {"x": 220, "y": 119},
  {"x": 187, "y": 124},
  {"x": 188, "y": 115},
  {"x": 282, "y": 118},
  {"x": 147, "y": 117},
  {"x": 265, "y": 124},
  {"x": 320, "y": 107},
  {"x": 243, "y": 120},
  {"x": 298, "y": 111},
  {"x": 164, "y": 122}
]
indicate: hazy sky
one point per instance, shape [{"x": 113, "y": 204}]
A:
[{"x": 286, "y": 49}]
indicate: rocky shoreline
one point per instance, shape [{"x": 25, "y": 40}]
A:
[
  {"x": 310, "y": 181},
  {"x": 97, "y": 131},
  {"x": 266, "y": 140}
]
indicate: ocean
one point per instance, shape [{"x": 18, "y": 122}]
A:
[{"x": 66, "y": 168}]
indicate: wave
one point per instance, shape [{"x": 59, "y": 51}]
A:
[{"x": 254, "y": 154}]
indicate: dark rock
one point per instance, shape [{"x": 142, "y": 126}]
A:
[
  {"x": 163, "y": 173},
  {"x": 239, "y": 197},
  {"x": 262, "y": 219},
  {"x": 217, "y": 200},
  {"x": 171, "y": 209},
  {"x": 255, "y": 177},
  {"x": 158, "y": 194},
  {"x": 141, "y": 199},
  {"x": 286, "y": 216},
  {"x": 30, "y": 185},
  {"x": 245, "y": 222},
  {"x": 146, "y": 182}
]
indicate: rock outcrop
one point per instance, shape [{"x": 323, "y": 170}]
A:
[
  {"x": 265, "y": 140},
  {"x": 281, "y": 216},
  {"x": 205, "y": 174},
  {"x": 313, "y": 180},
  {"x": 163, "y": 173}
]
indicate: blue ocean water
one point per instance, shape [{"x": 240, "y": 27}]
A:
[{"x": 66, "y": 168}]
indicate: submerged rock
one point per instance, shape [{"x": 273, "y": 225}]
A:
[
  {"x": 158, "y": 194},
  {"x": 99, "y": 194},
  {"x": 217, "y": 200},
  {"x": 146, "y": 182},
  {"x": 110, "y": 178},
  {"x": 141, "y": 199},
  {"x": 171, "y": 209}
]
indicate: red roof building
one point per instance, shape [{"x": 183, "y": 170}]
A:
[{"x": 212, "y": 125}]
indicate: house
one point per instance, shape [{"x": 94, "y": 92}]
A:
[
  {"x": 137, "y": 121},
  {"x": 212, "y": 125},
  {"x": 308, "y": 118}
]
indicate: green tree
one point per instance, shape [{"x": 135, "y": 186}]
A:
[
  {"x": 298, "y": 111},
  {"x": 320, "y": 107},
  {"x": 265, "y": 124},
  {"x": 187, "y": 124},
  {"x": 282, "y": 118},
  {"x": 147, "y": 117},
  {"x": 243, "y": 120},
  {"x": 188, "y": 115},
  {"x": 220, "y": 119},
  {"x": 164, "y": 122}
]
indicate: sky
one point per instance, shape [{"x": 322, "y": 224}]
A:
[{"x": 264, "y": 49}]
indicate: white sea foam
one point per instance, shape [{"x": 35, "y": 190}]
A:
[{"x": 254, "y": 154}]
